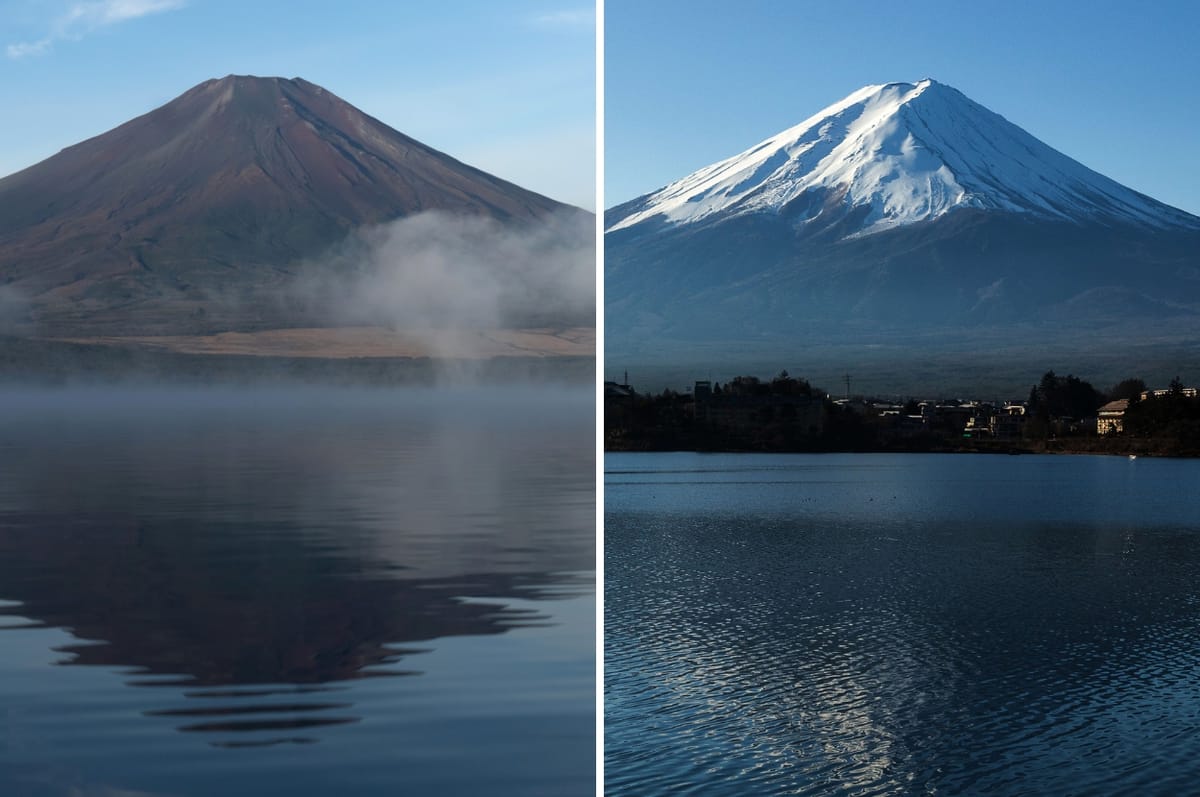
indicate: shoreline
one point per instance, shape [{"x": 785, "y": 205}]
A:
[
  {"x": 1159, "y": 449},
  {"x": 26, "y": 362}
]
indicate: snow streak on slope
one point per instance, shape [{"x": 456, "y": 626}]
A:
[{"x": 902, "y": 153}]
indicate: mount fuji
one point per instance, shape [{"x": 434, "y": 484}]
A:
[
  {"x": 905, "y": 211},
  {"x": 194, "y": 218}
]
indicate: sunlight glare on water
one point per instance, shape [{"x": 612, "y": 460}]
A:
[{"x": 900, "y": 624}]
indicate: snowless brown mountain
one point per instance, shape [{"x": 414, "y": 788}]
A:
[{"x": 191, "y": 218}]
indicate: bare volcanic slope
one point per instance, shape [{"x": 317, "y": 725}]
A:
[
  {"x": 905, "y": 210},
  {"x": 191, "y": 218}
]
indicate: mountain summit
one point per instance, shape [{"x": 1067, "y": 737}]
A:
[
  {"x": 182, "y": 219},
  {"x": 892, "y": 155},
  {"x": 904, "y": 211}
]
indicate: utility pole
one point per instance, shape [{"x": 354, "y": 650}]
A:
[{"x": 847, "y": 378}]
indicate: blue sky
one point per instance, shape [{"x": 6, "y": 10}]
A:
[
  {"x": 1113, "y": 85},
  {"x": 508, "y": 87}
]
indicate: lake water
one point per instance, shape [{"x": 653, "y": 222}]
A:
[
  {"x": 901, "y": 624},
  {"x": 297, "y": 592}
]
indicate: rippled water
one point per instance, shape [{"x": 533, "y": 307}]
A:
[
  {"x": 908, "y": 624},
  {"x": 301, "y": 593}
]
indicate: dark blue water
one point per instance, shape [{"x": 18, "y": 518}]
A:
[
  {"x": 297, "y": 592},
  {"x": 901, "y": 624}
]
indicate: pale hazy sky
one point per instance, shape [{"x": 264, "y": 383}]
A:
[
  {"x": 508, "y": 86},
  {"x": 1115, "y": 85}
]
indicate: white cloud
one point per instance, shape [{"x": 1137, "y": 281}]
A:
[
  {"x": 109, "y": 11},
  {"x": 82, "y": 18},
  {"x": 23, "y": 49},
  {"x": 567, "y": 18}
]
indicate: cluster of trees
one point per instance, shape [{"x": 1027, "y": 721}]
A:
[
  {"x": 1071, "y": 397},
  {"x": 1174, "y": 415},
  {"x": 1064, "y": 397},
  {"x": 782, "y": 384},
  {"x": 1130, "y": 390},
  {"x": 1168, "y": 424},
  {"x": 668, "y": 420}
]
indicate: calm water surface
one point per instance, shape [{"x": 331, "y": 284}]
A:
[
  {"x": 297, "y": 592},
  {"x": 901, "y": 624}
]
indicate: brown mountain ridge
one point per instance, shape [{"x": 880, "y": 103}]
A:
[{"x": 190, "y": 218}]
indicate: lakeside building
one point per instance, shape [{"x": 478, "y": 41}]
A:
[
  {"x": 1187, "y": 392},
  {"x": 895, "y": 424},
  {"x": 978, "y": 427},
  {"x": 1008, "y": 423},
  {"x": 1110, "y": 419}
]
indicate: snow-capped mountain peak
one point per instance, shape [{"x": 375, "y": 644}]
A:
[{"x": 893, "y": 155}]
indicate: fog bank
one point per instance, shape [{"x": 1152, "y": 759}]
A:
[{"x": 439, "y": 276}]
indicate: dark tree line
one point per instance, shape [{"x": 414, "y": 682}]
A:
[
  {"x": 1128, "y": 389},
  {"x": 1173, "y": 415},
  {"x": 1064, "y": 397},
  {"x": 782, "y": 385},
  {"x": 1060, "y": 416}
]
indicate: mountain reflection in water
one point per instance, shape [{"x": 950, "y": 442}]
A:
[
  {"x": 261, "y": 557},
  {"x": 205, "y": 606}
]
